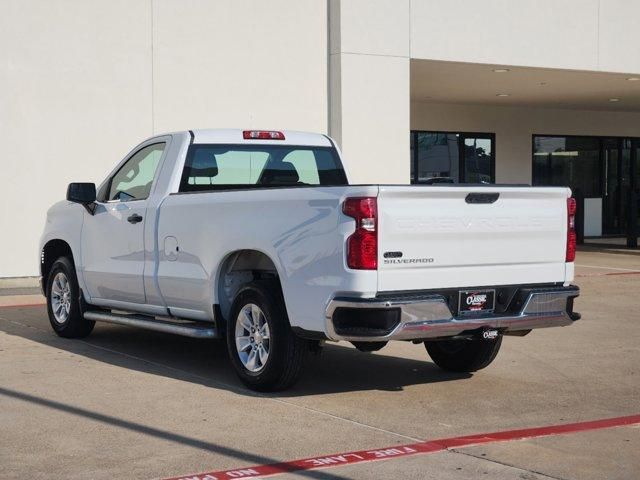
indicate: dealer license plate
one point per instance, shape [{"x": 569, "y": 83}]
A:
[{"x": 476, "y": 301}]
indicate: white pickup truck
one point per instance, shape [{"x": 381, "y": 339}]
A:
[{"x": 257, "y": 236}]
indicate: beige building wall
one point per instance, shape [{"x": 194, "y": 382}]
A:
[
  {"x": 597, "y": 35},
  {"x": 83, "y": 81},
  {"x": 240, "y": 64},
  {"x": 75, "y": 96},
  {"x": 514, "y": 127},
  {"x": 369, "y": 87}
]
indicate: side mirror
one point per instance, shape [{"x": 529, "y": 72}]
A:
[{"x": 83, "y": 193}]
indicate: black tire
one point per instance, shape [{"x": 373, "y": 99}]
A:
[
  {"x": 287, "y": 352},
  {"x": 465, "y": 355},
  {"x": 74, "y": 325}
]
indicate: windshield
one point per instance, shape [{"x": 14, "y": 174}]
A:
[{"x": 217, "y": 167}]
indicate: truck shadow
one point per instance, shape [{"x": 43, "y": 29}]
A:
[{"x": 337, "y": 369}]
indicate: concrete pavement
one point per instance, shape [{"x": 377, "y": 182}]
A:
[{"x": 127, "y": 403}]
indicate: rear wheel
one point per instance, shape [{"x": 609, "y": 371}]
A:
[
  {"x": 464, "y": 355},
  {"x": 264, "y": 351},
  {"x": 63, "y": 301}
]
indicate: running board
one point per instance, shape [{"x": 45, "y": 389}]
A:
[{"x": 186, "y": 329}]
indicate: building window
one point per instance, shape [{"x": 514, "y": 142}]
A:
[
  {"x": 452, "y": 157},
  {"x": 600, "y": 170},
  {"x": 568, "y": 161}
]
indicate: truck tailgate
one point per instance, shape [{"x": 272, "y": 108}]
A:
[{"x": 456, "y": 236}]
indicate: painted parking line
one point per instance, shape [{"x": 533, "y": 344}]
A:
[
  {"x": 617, "y": 271},
  {"x": 363, "y": 456},
  {"x": 609, "y": 268},
  {"x": 606, "y": 274}
]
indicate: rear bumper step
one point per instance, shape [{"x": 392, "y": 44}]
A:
[
  {"x": 423, "y": 317},
  {"x": 185, "y": 329}
]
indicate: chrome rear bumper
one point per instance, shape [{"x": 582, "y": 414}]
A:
[{"x": 429, "y": 316}]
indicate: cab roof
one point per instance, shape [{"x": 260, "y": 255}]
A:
[{"x": 236, "y": 136}]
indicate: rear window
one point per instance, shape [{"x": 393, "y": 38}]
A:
[{"x": 220, "y": 167}]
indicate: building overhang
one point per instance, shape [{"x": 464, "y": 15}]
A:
[{"x": 486, "y": 84}]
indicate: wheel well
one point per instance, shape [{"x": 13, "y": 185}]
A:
[
  {"x": 238, "y": 269},
  {"x": 53, "y": 250}
]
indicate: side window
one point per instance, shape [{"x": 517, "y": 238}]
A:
[{"x": 134, "y": 179}]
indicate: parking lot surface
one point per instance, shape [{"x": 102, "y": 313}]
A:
[{"x": 127, "y": 403}]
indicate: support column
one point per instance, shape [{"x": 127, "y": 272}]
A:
[{"x": 369, "y": 91}]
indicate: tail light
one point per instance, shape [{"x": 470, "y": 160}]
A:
[
  {"x": 262, "y": 135},
  {"x": 362, "y": 245},
  {"x": 571, "y": 229}
]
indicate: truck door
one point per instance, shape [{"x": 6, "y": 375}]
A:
[{"x": 113, "y": 252}]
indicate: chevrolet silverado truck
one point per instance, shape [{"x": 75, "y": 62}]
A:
[{"x": 257, "y": 237}]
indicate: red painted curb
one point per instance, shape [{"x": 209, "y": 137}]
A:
[{"x": 350, "y": 458}]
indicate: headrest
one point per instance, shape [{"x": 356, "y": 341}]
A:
[
  {"x": 203, "y": 172},
  {"x": 284, "y": 174},
  {"x": 204, "y": 164}
]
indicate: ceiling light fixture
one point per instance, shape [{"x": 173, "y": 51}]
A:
[
  {"x": 614, "y": 99},
  {"x": 500, "y": 70},
  {"x": 633, "y": 79},
  {"x": 502, "y": 94}
]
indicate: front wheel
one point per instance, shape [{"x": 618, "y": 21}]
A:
[
  {"x": 63, "y": 301},
  {"x": 463, "y": 355},
  {"x": 264, "y": 351}
]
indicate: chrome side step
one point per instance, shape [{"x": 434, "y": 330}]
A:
[{"x": 186, "y": 329}]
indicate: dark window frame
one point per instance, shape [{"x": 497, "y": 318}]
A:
[{"x": 461, "y": 151}]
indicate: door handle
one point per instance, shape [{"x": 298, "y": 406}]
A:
[{"x": 135, "y": 218}]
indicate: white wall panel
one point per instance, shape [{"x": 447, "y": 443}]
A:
[
  {"x": 240, "y": 63},
  {"x": 81, "y": 82},
  {"x": 375, "y": 118},
  {"x": 75, "y": 96},
  {"x": 619, "y": 34},
  {"x": 541, "y": 33},
  {"x": 369, "y": 94},
  {"x": 373, "y": 27}
]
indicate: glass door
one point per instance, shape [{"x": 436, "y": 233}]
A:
[
  {"x": 452, "y": 157},
  {"x": 477, "y": 164}
]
